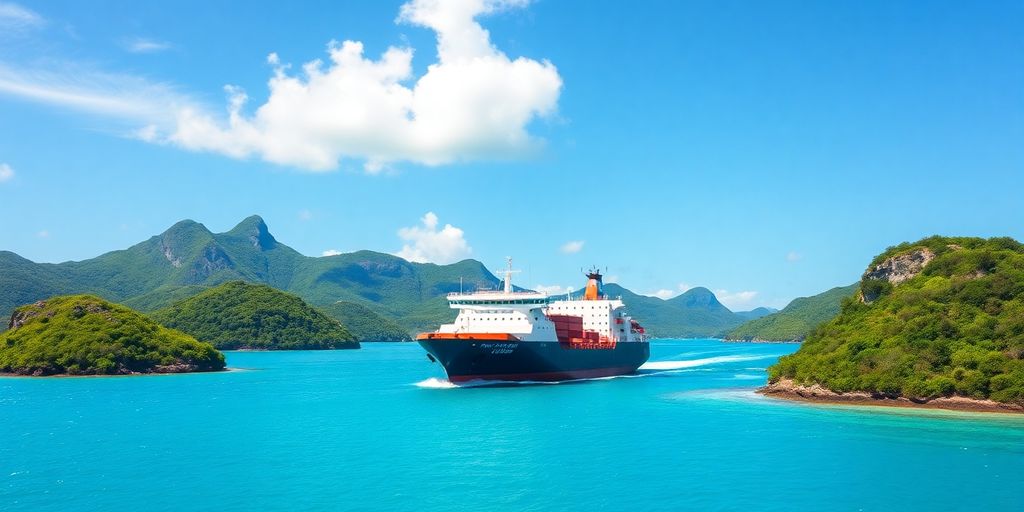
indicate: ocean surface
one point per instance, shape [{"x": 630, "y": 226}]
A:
[{"x": 379, "y": 429}]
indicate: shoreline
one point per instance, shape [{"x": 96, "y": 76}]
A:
[
  {"x": 11, "y": 375},
  {"x": 786, "y": 389},
  {"x": 758, "y": 340}
]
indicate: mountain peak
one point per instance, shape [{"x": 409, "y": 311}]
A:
[
  {"x": 698, "y": 297},
  {"x": 186, "y": 226},
  {"x": 256, "y": 231}
]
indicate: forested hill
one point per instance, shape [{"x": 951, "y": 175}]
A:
[
  {"x": 238, "y": 315},
  {"x": 797, "y": 319},
  {"x": 86, "y": 335},
  {"x": 937, "y": 317}
]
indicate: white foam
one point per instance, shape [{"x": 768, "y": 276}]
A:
[
  {"x": 691, "y": 363},
  {"x": 435, "y": 383},
  {"x": 649, "y": 368},
  {"x": 747, "y": 376}
]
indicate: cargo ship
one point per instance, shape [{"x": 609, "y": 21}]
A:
[{"x": 516, "y": 336}]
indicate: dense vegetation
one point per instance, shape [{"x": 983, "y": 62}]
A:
[
  {"x": 364, "y": 324},
  {"x": 238, "y": 315},
  {"x": 797, "y": 319},
  {"x": 83, "y": 335},
  {"x": 956, "y": 328}
]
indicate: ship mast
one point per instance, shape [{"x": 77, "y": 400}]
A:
[{"x": 508, "y": 275}]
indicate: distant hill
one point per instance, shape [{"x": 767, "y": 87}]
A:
[
  {"x": 756, "y": 313},
  {"x": 937, "y": 318},
  {"x": 86, "y": 335},
  {"x": 797, "y": 319},
  {"x": 238, "y": 315},
  {"x": 364, "y": 324}
]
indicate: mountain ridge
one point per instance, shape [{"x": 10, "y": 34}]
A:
[{"x": 188, "y": 257}]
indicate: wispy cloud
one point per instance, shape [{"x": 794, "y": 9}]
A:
[
  {"x": 144, "y": 45},
  {"x": 572, "y": 247},
  {"x": 474, "y": 102},
  {"x": 793, "y": 256},
  {"x": 43, "y": 234},
  {"x": 663, "y": 294},
  {"x": 305, "y": 215},
  {"x": 124, "y": 97},
  {"x": 736, "y": 301},
  {"x": 6, "y": 173},
  {"x": 428, "y": 244},
  {"x": 16, "y": 17},
  {"x": 331, "y": 252},
  {"x": 667, "y": 293}
]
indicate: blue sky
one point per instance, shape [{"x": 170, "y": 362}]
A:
[{"x": 765, "y": 150}]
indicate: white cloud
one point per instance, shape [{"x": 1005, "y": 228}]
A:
[
  {"x": 143, "y": 45},
  {"x": 474, "y": 102},
  {"x": 611, "y": 279},
  {"x": 305, "y": 215},
  {"x": 793, "y": 256},
  {"x": 663, "y": 294},
  {"x": 736, "y": 301},
  {"x": 572, "y": 247},
  {"x": 666, "y": 293},
  {"x": 331, "y": 252},
  {"x": 43, "y": 234},
  {"x": 427, "y": 244},
  {"x": 16, "y": 17},
  {"x": 553, "y": 289},
  {"x": 6, "y": 173}
]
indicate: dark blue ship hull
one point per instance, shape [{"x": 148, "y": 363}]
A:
[{"x": 467, "y": 360}]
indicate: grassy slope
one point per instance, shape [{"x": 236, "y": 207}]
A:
[
  {"x": 797, "y": 319},
  {"x": 364, "y": 324},
  {"x": 957, "y": 328},
  {"x": 241, "y": 315},
  {"x": 83, "y": 334}
]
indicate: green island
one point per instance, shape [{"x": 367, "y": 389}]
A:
[
  {"x": 797, "y": 319},
  {"x": 239, "y": 315},
  {"x": 86, "y": 335},
  {"x": 938, "y": 322}
]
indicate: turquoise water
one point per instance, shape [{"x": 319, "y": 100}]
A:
[{"x": 375, "y": 429}]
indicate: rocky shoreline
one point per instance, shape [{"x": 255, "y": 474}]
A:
[{"x": 789, "y": 390}]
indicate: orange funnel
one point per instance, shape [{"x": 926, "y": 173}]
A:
[{"x": 594, "y": 291}]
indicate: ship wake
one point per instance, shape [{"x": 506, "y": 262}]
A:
[
  {"x": 648, "y": 369},
  {"x": 661, "y": 366}
]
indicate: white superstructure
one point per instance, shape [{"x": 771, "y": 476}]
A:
[{"x": 533, "y": 316}]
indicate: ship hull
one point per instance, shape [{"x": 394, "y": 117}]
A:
[{"x": 466, "y": 360}]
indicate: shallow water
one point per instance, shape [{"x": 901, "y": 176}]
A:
[{"x": 380, "y": 428}]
